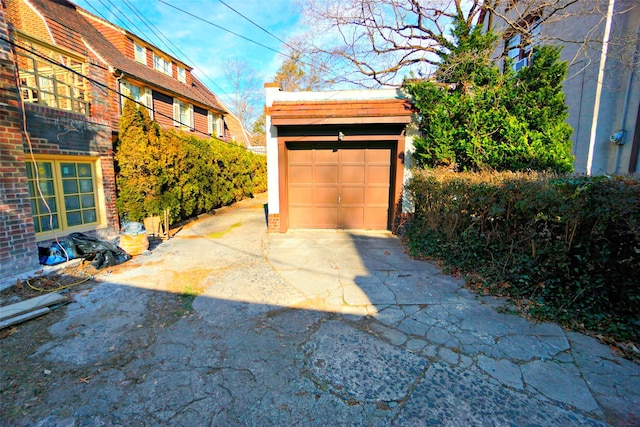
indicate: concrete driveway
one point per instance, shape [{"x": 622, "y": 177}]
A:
[{"x": 306, "y": 328}]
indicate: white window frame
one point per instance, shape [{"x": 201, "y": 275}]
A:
[
  {"x": 215, "y": 124},
  {"x": 162, "y": 65},
  {"x": 145, "y": 96},
  {"x": 519, "y": 53},
  {"x": 182, "y": 74},
  {"x": 140, "y": 56},
  {"x": 177, "y": 114}
]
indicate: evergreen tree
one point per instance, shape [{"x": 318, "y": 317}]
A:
[{"x": 484, "y": 119}]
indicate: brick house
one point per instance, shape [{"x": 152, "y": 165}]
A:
[{"x": 73, "y": 69}]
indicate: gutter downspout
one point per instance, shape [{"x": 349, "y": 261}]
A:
[
  {"x": 625, "y": 109},
  {"x": 599, "y": 84}
]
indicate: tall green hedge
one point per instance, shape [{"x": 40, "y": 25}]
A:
[
  {"x": 568, "y": 248},
  {"x": 160, "y": 169}
]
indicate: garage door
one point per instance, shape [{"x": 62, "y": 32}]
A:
[{"x": 343, "y": 188}]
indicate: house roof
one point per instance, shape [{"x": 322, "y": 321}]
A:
[
  {"x": 66, "y": 14},
  {"x": 237, "y": 130},
  {"x": 341, "y": 111}
]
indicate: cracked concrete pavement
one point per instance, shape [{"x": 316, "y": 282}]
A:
[{"x": 310, "y": 327}]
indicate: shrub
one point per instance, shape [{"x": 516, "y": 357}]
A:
[
  {"x": 568, "y": 247},
  {"x": 160, "y": 169}
]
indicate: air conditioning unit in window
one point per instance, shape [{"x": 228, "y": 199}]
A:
[{"x": 521, "y": 64}]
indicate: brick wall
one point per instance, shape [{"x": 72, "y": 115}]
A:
[
  {"x": 274, "y": 223},
  {"x": 18, "y": 249},
  {"x": 19, "y": 13},
  {"x": 56, "y": 132}
]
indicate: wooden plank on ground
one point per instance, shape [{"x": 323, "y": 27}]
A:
[
  {"x": 24, "y": 317},
  {"x": 22, "y": 307}
]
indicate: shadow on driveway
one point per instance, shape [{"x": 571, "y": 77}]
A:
[{"x": 305, "y": 328}]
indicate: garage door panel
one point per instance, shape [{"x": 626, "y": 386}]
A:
[
  {"x": 379, "y": 156},
  {"x": 346, "y": 188},
  {"x": 325, "y": 174},
  {"x": 301, "y": 174},
  {"x": 324, "y": 195},
  {"x": 300, "y": 156},
  {"x": 302, "y": 194},
  {"x": 352, "y": 156},
  {"x": 352, "y": 174},
  {"x": 352, "y": 195},
  {"x": 324, "y": 217},
  {"x": 377, "y": 196},
  {"x": 378, "y": 174},
  {"x": 351, "y": 217},
  {"x": 325, "y": 156},
  {"x": 301, "y": 216},
  {"x": 375, "y": 218}
]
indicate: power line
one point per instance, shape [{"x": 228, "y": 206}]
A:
[
  {"x": 98, "y": 83},
  {"x": 224, "y": 29},
  {"x": 97, "y": 11},
  {"x": 323, "y": 68},
  {"x": 266, "y": 31},
  {"x": 144, "y": 20},
  {"x": 157, "y": 33},
  {"x": 122, "y": 23},
  {"x": 151, "y": 27}
]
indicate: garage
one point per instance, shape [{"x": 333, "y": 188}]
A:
[{"x": 335, "y": 163}]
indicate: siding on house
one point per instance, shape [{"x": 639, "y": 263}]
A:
[{"x": 603, "y": 96}]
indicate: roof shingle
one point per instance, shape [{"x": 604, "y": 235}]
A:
[
  {"x": 66, "y": 14},
  {"x": 340, "y": 112}
]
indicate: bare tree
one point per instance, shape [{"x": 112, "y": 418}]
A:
[
  {"x": 378, "y": 42},
  {"x": 247, "y": 89}
]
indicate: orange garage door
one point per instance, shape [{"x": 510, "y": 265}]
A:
[{"x": 344, "y": 188}]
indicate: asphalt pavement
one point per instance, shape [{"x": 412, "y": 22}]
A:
[{"x": 311, "y": 327}]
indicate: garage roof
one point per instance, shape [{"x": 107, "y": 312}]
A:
[{"x": 340, "y": 112}]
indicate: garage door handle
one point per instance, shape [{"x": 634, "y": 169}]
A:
[{"x": 338, "y": 199}]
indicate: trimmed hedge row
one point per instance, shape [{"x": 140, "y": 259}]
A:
[
  {"x": 160, "y": 169},
  {"x": 567, "y": 248}
]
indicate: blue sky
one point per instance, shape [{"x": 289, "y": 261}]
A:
[{"x": 202, "y": 45}]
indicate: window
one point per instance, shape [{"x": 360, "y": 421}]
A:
[
  {"x": 182, "y": 75},
  {"x": 215, "y": 124},
  {"x": 161, "y": 64},
  {"x": 47, "y": 81},
  {"x": 69, "y": 190},
  {"x": 139, "y": 94},
  {"x": 141, "y": 53},
  {"x": 182, "y": 114},
  {"x": 519, "y": 46}
]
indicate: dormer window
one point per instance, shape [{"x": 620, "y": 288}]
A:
[
  {"x": 161, "y": 64},
  {"x": 182, "y": 75},
  {"x": 55, "y": 84},
  {"x": 141, "y": 53}
]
